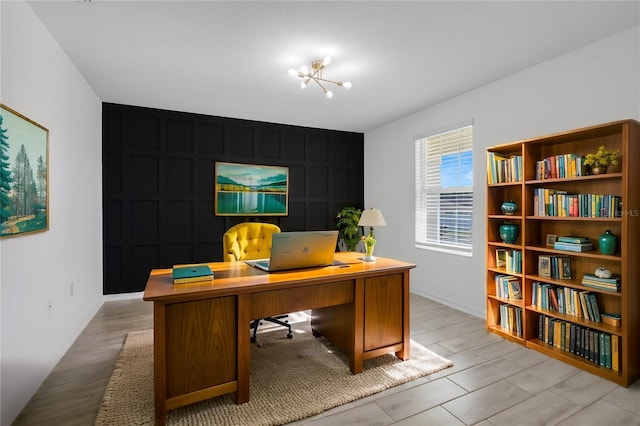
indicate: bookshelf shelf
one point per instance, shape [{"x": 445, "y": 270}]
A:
[
  {"x": 515, "y": 302},
  {"x": 579, "y": 321},
  {"x": 507, "y": 334},
  {"x": 575, "y": 360},
  {"x": 541, "y": 182},
  {"x": 570, "y": 283},
  {"x": 576, "y": 219},
  {"x": 523, "y": 163}
]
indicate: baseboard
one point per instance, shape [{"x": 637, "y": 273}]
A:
[
  {"x": 122, "y": 296},
  {"x": 450, "y": 303}
]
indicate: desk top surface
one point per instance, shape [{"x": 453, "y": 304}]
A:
[{"x": 231, "y": 278}]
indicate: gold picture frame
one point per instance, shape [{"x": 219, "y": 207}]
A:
[
  {"x": 544, "y": 266},
  {"x": 24, "y": 174},
  {"x": 551, "y": 239}
]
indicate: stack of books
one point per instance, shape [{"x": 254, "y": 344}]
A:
[
  {"x": 183, "y": 274},
  {"x": 609, "y": 284},
  {"x": 578, "y": 244}
]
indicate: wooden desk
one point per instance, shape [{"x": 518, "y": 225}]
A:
[{"x": 201, "y": 330}]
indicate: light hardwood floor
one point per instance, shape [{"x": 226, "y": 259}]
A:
[{"x": 492, "y": 382}]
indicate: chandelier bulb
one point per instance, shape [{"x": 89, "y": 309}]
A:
[
  {"x": 303, "y": 84},
  {"x": 346, "y": 85},
  {"x": 328, "y": 94},
  {"x": 304, "y": 69},
  {"x": 326, "y": 60},
  {"x": 293, "y": 72}
]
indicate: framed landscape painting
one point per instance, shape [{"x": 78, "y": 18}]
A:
[
  {"x": 24, "y": 172},
  {"x": 251, "y": 190}
]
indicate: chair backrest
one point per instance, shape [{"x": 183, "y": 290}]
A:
[{"x": 248, "y": 240}]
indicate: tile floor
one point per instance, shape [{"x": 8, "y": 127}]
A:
[{"x": 492, "y": 382}]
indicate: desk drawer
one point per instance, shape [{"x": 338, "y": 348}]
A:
[{"x": 274, "y": 302}]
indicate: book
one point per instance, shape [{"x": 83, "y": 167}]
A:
[
  {"x": 594, "y": 307},
  {"x": 615, "y": 355},
  {"x": 564, "y": 267},
  {"x": 577, "y": 247},
  {"x": 501, "y": 258},
  {"x": 573, "y": 240},
  {"x": 614, "y": 279},
  {"x": 183, "y": 274},
  {"x": 607, "y": 350}
]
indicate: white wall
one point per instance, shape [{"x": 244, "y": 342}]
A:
[
  {"x": 39, "y": 81},
  {"x": 595, "y": 84}
]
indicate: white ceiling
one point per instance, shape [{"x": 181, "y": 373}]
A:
[{"x": 231, "y": 58}]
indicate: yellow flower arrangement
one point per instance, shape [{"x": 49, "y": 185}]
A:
[
  {"x": 369, "y": 240},
  {"x": 602, "y": 158}
]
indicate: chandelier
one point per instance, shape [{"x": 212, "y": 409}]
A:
[{"x": 315, "y": 74}]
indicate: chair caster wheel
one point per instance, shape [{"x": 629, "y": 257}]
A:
[
  {"x": 289, "y": 336},
  {"x": 253, "y": 339}
]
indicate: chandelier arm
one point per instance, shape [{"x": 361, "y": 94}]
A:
[
  {"x": 319, "y": 84},
  {"x": 337, "y": 83}
]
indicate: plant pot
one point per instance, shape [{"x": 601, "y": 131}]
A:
[
  {"x": 369, "y": 253},
  {"x": 598, "y": 170},
  {"x": 509, "y": 207},
  {"x": 509, "y": 232},
  {"x": 608, "y": 243}
]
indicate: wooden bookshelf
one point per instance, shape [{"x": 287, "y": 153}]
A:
[{"x": 621, "y": 180}]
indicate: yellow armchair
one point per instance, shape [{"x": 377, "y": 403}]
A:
[
  {"x": 248, "y": 240},
  {"x": 252, "y": 240}
]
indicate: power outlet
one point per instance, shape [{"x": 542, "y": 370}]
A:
[{"x": 71, "y": 288}]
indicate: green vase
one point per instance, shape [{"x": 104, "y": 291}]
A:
[
  {"x": 509, "y": 207},
  {"x": 608, "y": 243},
  {"x": 509, "y": 232}
]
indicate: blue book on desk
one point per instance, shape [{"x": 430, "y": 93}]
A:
[{"x": 191, "y": 273}]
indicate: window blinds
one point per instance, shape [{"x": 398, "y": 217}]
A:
[{"x": 444, "y": 190}]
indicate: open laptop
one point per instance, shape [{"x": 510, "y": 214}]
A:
[{"x": 297, "y": 250}]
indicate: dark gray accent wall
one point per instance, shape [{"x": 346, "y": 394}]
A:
[{"x": 158, "y": 184}]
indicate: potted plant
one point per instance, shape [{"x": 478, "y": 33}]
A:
[
  {"x": 348, "y": 229},
  {"x": 369, "y": 243},
  {"x": 601, "y": 159}
]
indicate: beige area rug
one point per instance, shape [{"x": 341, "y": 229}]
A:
[{"x": 291, "y": 379}]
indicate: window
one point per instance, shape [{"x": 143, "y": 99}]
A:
[{"x": 444, "y": 191}]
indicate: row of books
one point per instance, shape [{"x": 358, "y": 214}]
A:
[
  {"x": 502, "y": 169},
  {"x": 553, "y": 202},
  {"x": 508, "y": 287},
  {"x": 560, "y": 166},
  {"x": 511, "y": 318},
  {"x": 565, "y": 300},
  {"x": 554, "y": 266},
  {"x": 612, "y": 283},
  {"x": 595, "y": 346},
  {"x": 509, "y": 259}
]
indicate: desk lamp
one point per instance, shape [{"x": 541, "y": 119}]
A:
[{"x": 372, "y": 217}]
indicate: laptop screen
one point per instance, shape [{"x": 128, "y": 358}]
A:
[{"x": 297, "y": 250}]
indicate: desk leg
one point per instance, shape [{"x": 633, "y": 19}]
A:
[
  {"x": 159, "y": 363},
  {"x": 405, "y": 353},
  {"x": 243, "y": 348},
  {"x": 358, "y": 324}
]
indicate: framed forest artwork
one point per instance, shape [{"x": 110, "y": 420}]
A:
[{"x": 24, "y": 174}]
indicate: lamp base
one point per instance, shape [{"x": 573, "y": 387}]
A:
[{"x": 368, "y": 258}]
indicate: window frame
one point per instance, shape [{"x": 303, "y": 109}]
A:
[{"x": 424, "y": 190}]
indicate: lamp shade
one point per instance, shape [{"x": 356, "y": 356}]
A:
[{"x": 372, "y": 218}]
